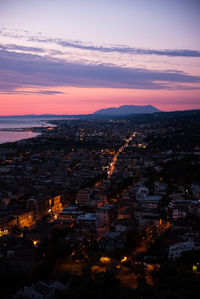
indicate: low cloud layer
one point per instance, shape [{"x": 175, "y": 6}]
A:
[
  {"x": 14, "y": 47},
  {"x": 19, "y": 70}
]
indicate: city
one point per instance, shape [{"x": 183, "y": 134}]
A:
[
  {"x": 101, "y": 198},
  {"x": 99, "y": 149}
]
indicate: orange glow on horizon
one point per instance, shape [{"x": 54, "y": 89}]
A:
[{"x": 75, "y": 100}]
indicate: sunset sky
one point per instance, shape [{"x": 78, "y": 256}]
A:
[{"x": 78, "y": 56}]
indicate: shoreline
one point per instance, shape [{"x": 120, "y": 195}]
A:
[{"x": 36, "y": 130}]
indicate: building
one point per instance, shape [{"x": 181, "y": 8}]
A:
[
  {"x": 6, "y": 222},
  {"x": 160, "y": 188},
  {"x": 150, "y": 202},
  {"x": 89, "y": 221},
  {"x": 69, "y": 215},
  {"x": 55, "y": 205},
  {"x": 142, "y": 193},
  {"x": 150, "y": 220},
  {"x": 177, "y": 249},
  {"x": 194, "y": 209},
  {"x": 39, "y": 291},
  {"x": 107, "y": 213},
  {"x": 83, "y": 197},
  {"x": 195, "y": 189},
  {"x": 178, "y": 208},
  {"x": 41, "y": 206},
  {"x": 25, "y": 218}
]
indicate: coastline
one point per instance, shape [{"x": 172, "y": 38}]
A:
[{"x": 23, "y": 133}]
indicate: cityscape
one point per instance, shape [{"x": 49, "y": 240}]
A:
[
  {"x": 92, "y": 204},
  {"x": 99, "y": 149}
]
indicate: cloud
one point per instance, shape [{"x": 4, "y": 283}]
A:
[
  {"x": 23, "y": 48},
  {"x": 20, "y": 70},
  {"x": 119, "y": 49},
  {"x": 27, "y": 92},
  {"x": 129, "y": 50},
  {"x": 122, "y": 49}
]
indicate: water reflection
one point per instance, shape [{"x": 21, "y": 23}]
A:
[{"x": 12, "y": 136}]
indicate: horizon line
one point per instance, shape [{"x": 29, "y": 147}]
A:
[{"x": 32, "y": 114}]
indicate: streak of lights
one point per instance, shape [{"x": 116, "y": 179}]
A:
[{"x": 114, "y": 160}]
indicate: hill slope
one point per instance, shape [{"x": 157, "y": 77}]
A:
[{"x": 127, "y": 109}]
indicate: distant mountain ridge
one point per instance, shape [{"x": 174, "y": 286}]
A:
[{"x": 127, "y": 109}]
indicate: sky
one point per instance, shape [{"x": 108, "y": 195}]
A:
[{"x": 78, "y": 56}]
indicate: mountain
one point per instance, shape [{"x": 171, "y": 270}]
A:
[{"x": 127, "y": 109}]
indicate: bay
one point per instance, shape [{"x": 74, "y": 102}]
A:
[{"x": 8, "y": 126}]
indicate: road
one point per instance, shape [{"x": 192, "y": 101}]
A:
[{"x": 114, "y": 160}]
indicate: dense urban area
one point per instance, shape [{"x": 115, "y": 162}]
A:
[{"x": 101, "y": 207}]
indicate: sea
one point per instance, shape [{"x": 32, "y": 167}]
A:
[{"x": 8, "y": 126}]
